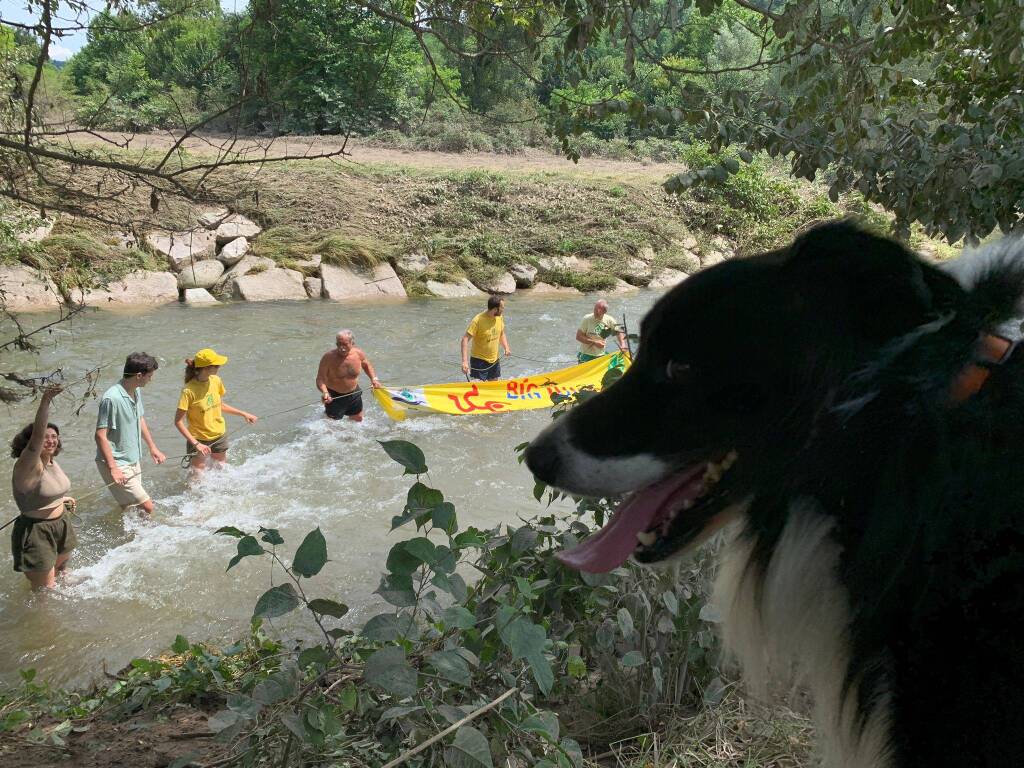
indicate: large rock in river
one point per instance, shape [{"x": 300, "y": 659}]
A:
[
  {"x": 181, "y": 248},
  {"x": 202, "y": 274},
  {"x": 457, "y": 290},
  {"x": 236, "y": 226},
  {"x": 136, "y": 289},
  {"x": 23, "y": 289},
  {"x": 524, "y": 275},
  {"x": 503, "y": 283},
  {"x": 247, "y": 265},
  {"x": 198, "y": 296},
  {"x": 342, "y": 283},
  {"x": 273, "y": 285},
  {"x": 233, "y": 252}
]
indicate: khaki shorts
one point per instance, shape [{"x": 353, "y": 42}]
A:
[
  {"x": 36, "y": 544},
  {"x": 131, "y": 494}
]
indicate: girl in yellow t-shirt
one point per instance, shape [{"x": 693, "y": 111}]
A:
[{"x": 201, "y": 405}]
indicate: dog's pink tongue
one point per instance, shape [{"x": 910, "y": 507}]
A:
[{"x": 611, "y": 546}]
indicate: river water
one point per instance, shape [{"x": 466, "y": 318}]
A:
[{"x": 135, "y": 585}]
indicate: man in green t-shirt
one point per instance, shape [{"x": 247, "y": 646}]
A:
[
  {"x": 594, "y": 329},
  {"x": 486, "y": 331},
  {"x": 121, "y": 431}
]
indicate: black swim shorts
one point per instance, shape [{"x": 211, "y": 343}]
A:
[
  {"x": 342, "y": 405},
  {"x": 484, "y": 371}
]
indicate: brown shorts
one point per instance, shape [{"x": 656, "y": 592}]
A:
[
  {"x": 36, "y": 543},
  {"x": 131, "y": 494},
  {"x": 217, "y": 445}
]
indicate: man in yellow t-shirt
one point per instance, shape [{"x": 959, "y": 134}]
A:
[
  {"x": 593, "y": 330},
  {"x": 486, "y": 331}
]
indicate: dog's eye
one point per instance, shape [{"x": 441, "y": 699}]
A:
[{"x": 675, "y": 370}]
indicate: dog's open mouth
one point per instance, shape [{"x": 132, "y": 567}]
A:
[{"x": 649, "y": 524}]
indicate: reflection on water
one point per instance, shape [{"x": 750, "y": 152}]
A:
[{"x": 136, "y": 584}]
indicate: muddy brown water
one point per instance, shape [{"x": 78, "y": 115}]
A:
[{"x": 135, "y": 585}]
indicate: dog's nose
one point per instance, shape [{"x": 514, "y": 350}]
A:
[{"x": 543, "y": 459}]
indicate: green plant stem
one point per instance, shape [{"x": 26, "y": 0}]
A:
[{"x": 451, "y": 729}]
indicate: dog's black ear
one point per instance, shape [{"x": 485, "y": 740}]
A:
[
  {"x": 874, "y": 283},
  {"x": 993, "y": 278}
]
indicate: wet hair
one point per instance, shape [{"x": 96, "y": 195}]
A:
[
  {"x": 493, "y": 302},
  {"x": 139, "y": 362},
  {"x": 21, "y": 440}
]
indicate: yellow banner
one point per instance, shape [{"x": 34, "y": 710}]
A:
[{"x": 479, "y": 397}]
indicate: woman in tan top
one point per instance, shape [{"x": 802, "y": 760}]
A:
[{"x": 42, "y": 538}]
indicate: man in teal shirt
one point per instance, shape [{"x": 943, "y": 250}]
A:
[{"x": 120, "y": 431}]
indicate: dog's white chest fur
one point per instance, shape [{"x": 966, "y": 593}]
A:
[{"x": 790, "y": 624}]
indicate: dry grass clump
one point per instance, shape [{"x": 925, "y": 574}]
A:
[{"x": 736, "y": 733}]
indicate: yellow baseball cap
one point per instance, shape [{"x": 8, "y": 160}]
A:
[{"x": 205, "y": 357}]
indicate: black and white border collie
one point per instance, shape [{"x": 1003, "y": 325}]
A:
[{"x": 859, "y": 417}]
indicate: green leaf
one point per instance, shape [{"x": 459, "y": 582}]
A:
[
  {"x": 348, "y": 698},
  {"x": 247, "y": 547},
  {"x": 328, "y": 607},
  {"x": 542, "y": 672},
  {"x": 422, "y": 498},
  {"x": 311, "y": 555},
  {"x": 469, "y": 750},
  {"x": 458, "y": 617},
  {"x": 524, "y": 638},
  {"x": 276, "y": 601},
  {"x": 230, "y": 530},
  {"x": 315, "y": 655},
  {"x": 625, "y": 622},
  {"x": 422, "y": 549},
  {"x": 397, "y": 591},
  {"x": 389, "y": 627},
  {"x": 545, "y": 723},
  {"x": 671, "y": 602},
  {"x": 389, "y": 669},
  {"x": 400, "y": 561},
  {"x": 577, "y": 667},
  {"x": 443, "y": 517},
  {"x": 243, "y": 705},
  {"x": 223, "y": 719},
  {"x": 180, "y": 644},
  {"x": 407, "y": 454},
  {"x": 451, "y": 666},
  {"x": 632, "y": 659},
  {"x": 271, "y": 536}
]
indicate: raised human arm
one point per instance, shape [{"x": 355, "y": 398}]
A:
[{"x": 29, "y": 462}]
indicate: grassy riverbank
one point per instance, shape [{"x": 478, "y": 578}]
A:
[{"x": 473, "y": 217}]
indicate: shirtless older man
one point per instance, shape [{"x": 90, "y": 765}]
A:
[{"x": 338, "y": 378}]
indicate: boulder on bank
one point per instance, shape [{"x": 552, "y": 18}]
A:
[
  {"x": 39, "y": 233},
  {"x": 248, "y": 264},
  {"x": 524, "y": 275},
  {"x": 236, "y": 226},
  {"x": 667, "y": 278},
  {"x": 342, "y": 283},
  {"x": 458, "y": 290},
  {"x": 503, "y": 283},
  {"x": 233, "y": 252},
  {"x": 314, "y": 287},
  {"x": 202, "y": 274},
  {"x": 181, "y": 248},
  {"x": 135, "y": 289},
  {"x": 639, "y": 269},
  {"x": 413, "y": 262},
  {"x": 621, "y": 286},
  {"x": 310, "y": 266},
  {"x": 199, "y": 296},
  {"x": 564, "y": 263},
  {"x": 23, "y": 289},
  {"x": 545, "y": 288},
  {"x": 273, "y": 285},
  {"x": 212, "y": 218}
]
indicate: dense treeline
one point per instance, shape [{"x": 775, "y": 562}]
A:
[
  {"x": 328, "y": 66},
  {"x": 917, "y": 106}
]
